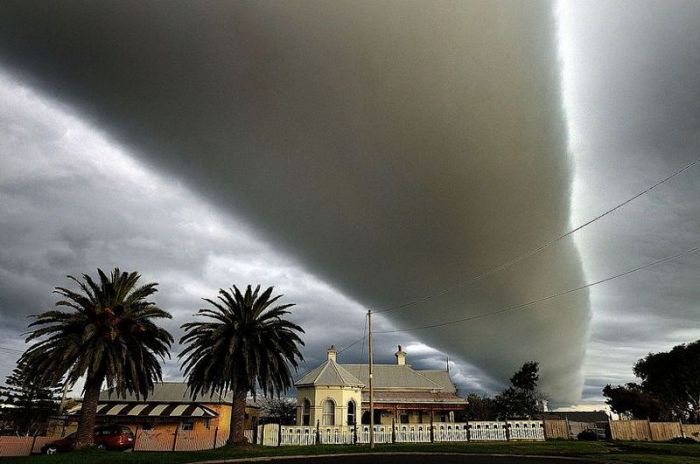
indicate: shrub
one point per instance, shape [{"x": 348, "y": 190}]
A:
[
  {"x": 587, "y": 435},
  {"x": 683, "y": 440}
]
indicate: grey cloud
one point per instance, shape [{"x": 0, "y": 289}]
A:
[
  {"x": 392, "y": 148},
  {"x": 633, "y": 93},
  {"x": 113, "y": 211}
]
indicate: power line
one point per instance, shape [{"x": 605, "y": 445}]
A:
[
  {"x": 539, "y": 300},
  {"x": 352, "y": 344},
  {"x": 538, "y": 249}
]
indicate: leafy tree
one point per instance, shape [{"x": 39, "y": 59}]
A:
[
  {"x": 674, "y": 379},
  {"x": 481, "y": 407},
  {"x": 527, "y": 377},
  {"x": 108, "y": 334},
  {"x": 280, "y": 410},
  {"x": 27, "y": 402},
  {"x": 245, "y": 344},
  {"x": 521, "y": 399},
  {"x": 633, "y": 402}
]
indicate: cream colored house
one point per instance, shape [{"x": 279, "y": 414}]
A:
[{"x": 338, "y": 394}]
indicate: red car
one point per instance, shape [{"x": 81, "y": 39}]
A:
[{"x": 107, "y": 437}]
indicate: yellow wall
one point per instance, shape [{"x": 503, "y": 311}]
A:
[
  {"x": 223, "y": 421},
  {"x": 339, "y": 395}
]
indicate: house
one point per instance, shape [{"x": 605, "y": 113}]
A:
[
  {"x": 338, "y": 394},
  {"x": 168, "y": 408}
]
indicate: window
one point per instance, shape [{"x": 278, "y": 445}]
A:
[
  {"x": 188, "y": 425},
  {"x": 365, "y": 417},
  {"x": 306, "y": 412},
  {"x": 328, "y": 412},
  {"x": 403, "y": 418},
  {"x": 351, "y": 412}
]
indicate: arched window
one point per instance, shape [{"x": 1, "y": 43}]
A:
[
  {"x": 306, "y": 412},
  {"x": 351, "y": 412},
  {"x": 328, "y": 412}
]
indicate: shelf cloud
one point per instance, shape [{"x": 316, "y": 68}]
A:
[{"x": 392, "y": 148}]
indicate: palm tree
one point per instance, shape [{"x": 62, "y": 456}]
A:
[
  {"x": 247, "y": 344},
  {"x": 108, "y": 334}
]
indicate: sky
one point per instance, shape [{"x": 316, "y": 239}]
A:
[{"x": 364, "y": 154}]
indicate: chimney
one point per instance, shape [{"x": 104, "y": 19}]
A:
[
  {"x": 400, "y": 357},
  {"x": 332, "y": 353}
]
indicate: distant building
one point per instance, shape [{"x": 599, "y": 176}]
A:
[
  {"x": 338, "y": 394},
  {"x": 577, "y": 416},
  {"x": 169, "y": 407}
]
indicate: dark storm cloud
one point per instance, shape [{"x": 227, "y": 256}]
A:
[
  {"x": 392, "y": 147},
  {"x": 96, "y": 207}
]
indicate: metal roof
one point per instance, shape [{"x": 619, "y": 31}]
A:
[
  {"x": 441, "y": 378},
  {"x": 393, "y": 376},
  {"x": 330, "y": 374}
]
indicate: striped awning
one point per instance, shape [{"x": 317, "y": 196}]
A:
[{"x": 174, "y": 410}]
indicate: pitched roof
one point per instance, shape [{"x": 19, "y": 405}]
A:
[
  {"x": 329, "y": 373},
  {"x": 393, "y": 376},
  {"x": 441, "y": 378},
  {"x": 170, "y": 392}
]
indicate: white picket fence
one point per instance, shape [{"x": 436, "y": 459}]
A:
[{"x": 271, "y": 434}]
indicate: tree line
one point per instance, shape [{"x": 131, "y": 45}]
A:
[
  {"x": 520, "y": 400},
  {"x": 668, "y": 390},
  {"x": 106, "y": 332}
]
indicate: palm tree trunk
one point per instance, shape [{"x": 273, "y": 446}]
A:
[
  {"x": 237, "y": 435},
  {"x": 88, "y": 414}
]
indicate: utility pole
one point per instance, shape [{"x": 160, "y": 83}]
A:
[{"x": 371, "y": 389}]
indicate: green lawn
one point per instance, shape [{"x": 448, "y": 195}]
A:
[{"x": 628, "y": 452}]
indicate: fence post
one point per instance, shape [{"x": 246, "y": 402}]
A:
[
  {"x": 568, "y": 429},
  {"x": 279, "y": 432},
  {"x": 651, "y": 433},
  {"x": 354, "y": 433},
  {"x": 31, "y": 450},
  {"x": 177, "y": 427},
  {"x": 255, "y": 434},
  {"x": 393, "y": 430},
  {"x": 216, "y": 433},
  {"x": 680, "y": 423},
  {"x": 507, "y": 430},
  {"x": 318, "y": 432},
  {"x": 469, "y": 431},
  {"x": 432, "y": 432}
]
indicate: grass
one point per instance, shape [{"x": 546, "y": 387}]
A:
[{"x": 627, "y": 452}]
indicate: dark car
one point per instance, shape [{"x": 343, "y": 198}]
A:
[{"x": 109, "y": 437}]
